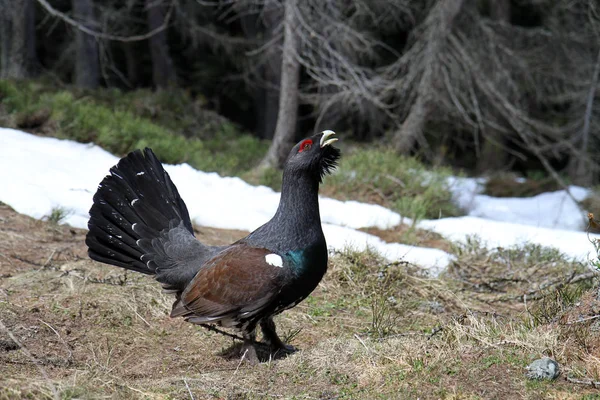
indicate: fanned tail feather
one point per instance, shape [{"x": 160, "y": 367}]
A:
[{"x": 133, "y": 208}]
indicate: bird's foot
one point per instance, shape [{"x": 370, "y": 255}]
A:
[
  {"x": 283, "y": 348},
  {"x": 276, "y": 345},
  {"x": 248, "y": 353}
]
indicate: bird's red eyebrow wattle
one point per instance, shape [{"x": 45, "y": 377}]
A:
[{"x": 303, "y": 144}]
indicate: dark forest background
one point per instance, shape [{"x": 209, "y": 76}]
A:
[{"x": 483, "y": 85}]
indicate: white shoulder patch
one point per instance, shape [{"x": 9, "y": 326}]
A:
[{"x": 275, "y": 260}]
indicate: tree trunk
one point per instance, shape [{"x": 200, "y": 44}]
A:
[
  {"x": 249, "y": 22},
  {"x": 493, "y": 156},
  {"x": 131, "y": 63},
  {"x": 5, "y": 38},
  {"x": 500, "y": 10},
  {"x": 16, "y": 20},
  {"x": 438, "y": 27},
  {"x": 163, "y": 72},
  {"x": 580, "y": 167},
  {"x": 87, "y": 63},
  {"x": 31, "y": 52},
  {"x": 268, "y": 74},
  {"x": 272, "y": 71},
  {"x": 285, "y": 130}
]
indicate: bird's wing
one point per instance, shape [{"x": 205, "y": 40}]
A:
[
  {"x": 238, "y": 282},
  {"x": 175, "y": 255}
]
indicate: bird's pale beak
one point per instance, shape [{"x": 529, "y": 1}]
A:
[{"x": 325, "y": 141}]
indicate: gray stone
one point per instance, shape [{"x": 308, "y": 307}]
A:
[
  {"x": 543, "y": 368},
  {"x": 432, "y": 306}
]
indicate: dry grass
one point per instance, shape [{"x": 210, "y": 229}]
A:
[
  {"x": 507, "y": 185},
  {"x": 519, "y": 273},
  {"x": 371, "y": 330}
]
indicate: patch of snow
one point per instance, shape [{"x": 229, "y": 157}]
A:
[
  {"x": 44, "y": 173},
  {"x": 546, "y": 210},
  {"x": 434, "y": 260},
  {"x": 465, "y": 190},
  {"x": 504, "y": 234}
]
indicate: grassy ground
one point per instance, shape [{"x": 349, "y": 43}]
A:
[{"x": 72, "y": 328}]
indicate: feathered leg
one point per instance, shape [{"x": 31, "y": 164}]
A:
[
  {"x": 270, "y": 336},
  {"x": 249, "y": 348}
]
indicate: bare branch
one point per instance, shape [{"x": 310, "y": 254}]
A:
[{"x": 106, "y": 36}]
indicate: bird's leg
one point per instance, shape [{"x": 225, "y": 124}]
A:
[
  {"x": 249, "y": 349},
  {"x": 270, "y": 336}
]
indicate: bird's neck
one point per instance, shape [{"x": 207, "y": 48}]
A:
[
  {"x": 296, "y": 224},
  {"x": 299, "y": 204}
]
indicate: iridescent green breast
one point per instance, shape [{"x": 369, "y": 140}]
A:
[{"x": 311, "y": 261}]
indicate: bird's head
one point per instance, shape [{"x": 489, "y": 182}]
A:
[{"x": 314, "y": 155}]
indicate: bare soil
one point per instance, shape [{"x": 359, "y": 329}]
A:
[{"x": 73, "y": 328}]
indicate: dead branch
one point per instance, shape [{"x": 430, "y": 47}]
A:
[{"x": 106, "y": 36}]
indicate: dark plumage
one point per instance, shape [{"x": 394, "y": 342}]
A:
[{"x": 139, "y": 222}]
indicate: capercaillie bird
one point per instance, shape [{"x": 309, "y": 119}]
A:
[{"x": 139, "y": 222}]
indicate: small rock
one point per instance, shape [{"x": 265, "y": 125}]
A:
[
  {"x": 434, "y": 307},
  {"x": 543, "y": 368}
]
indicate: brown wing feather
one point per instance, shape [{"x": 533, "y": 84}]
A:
[{"x": 237, "y": 280}]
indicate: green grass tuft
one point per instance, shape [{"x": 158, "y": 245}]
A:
[
  {"x": 401, "y": 183},
  {"x": 57, "y": 215}
]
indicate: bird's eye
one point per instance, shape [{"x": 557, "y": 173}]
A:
[{"x": 306, "y": 145}]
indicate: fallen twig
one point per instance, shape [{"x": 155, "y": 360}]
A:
[
  {"x": 435, "y": 331},
  {"x": 366, "y": 348},
  {"x": 188, "y": 389},
  {"x": 582, "y": 320},
  {"x": 537, "y": 294},
  {"x": 589, "y": 382},
  {"x": 217, "y": 330},
  {"x": 49, "y": 259}
]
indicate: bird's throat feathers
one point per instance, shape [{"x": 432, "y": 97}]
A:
[{"x": 299, "y": 203}]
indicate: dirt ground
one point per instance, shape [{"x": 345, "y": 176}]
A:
[{"x": 71, "y": 328}]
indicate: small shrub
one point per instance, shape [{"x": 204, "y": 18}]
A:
[
  {"x": 515, "y": 274},
  {"x": 384, "y": 321},
  {"x": 591, "y": 204},
  {"x": 508, "y": 185},
  {"x": 554, "y": 303},
  {"x": 57, "y": 215}
]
